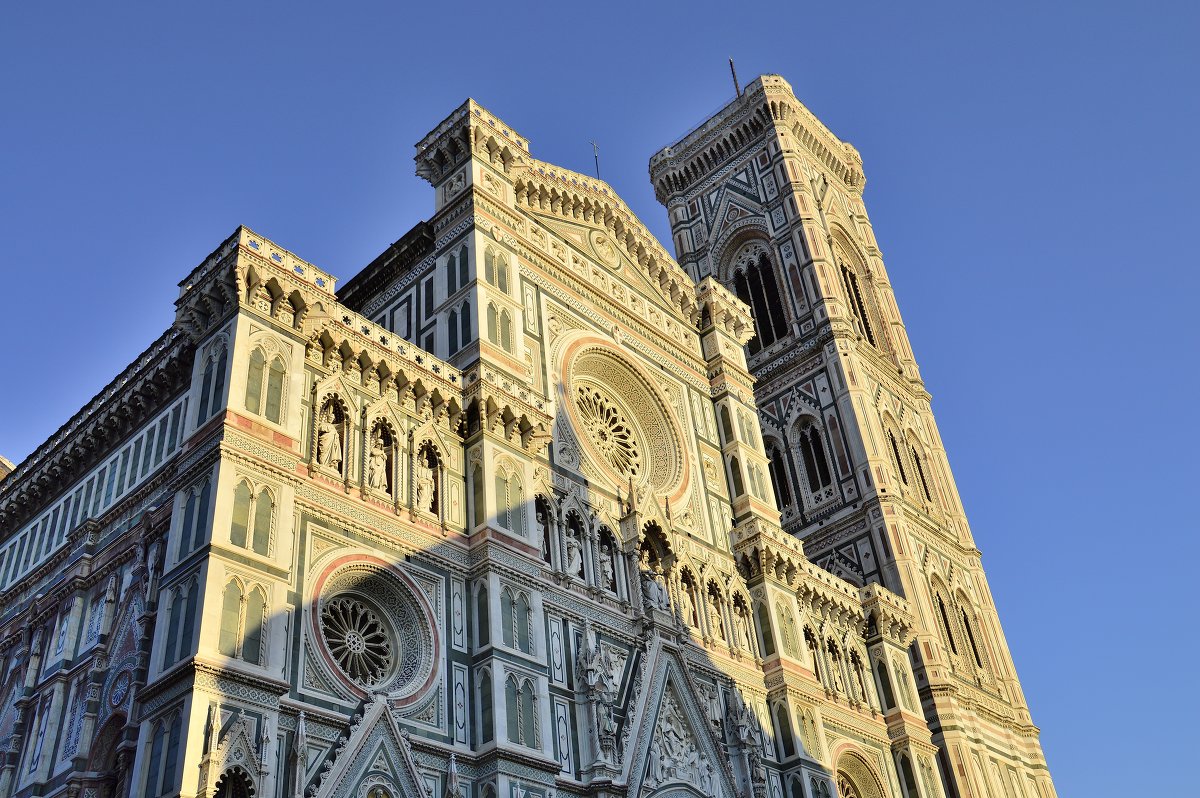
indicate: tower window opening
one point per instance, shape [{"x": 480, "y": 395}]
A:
[
  {"x": 855, "y": 300},
  {"x": 946, "y": 622}
]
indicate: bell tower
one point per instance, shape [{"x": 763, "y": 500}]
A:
[{"x": 766, "y": 200}]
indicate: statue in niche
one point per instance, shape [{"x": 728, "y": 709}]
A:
[
  {"x": 574, "y": 556},
  {"x": 607, "y": 572},
  {"x": 542, "y": 513},
  {"x": 329, "y": 441},
  {"x": 687, "y": 606},
  {"x": 653, "y": 589},
  {"x": 714, "y": 613},
  {"x": 425, "y": 496},
  {"x": 377, "y": 464},
  {"x": 741, "y": 629}
]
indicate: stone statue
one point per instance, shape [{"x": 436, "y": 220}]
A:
[
  {"x": 741, "y": 630},
  {"x": 377, "y": 465},
  {"x": 574, "y": 557},
  {"x": 329, "y": 443},
  {"x": 425, "y": 493},
  {"x": 607, "y": 573},
  {"x": 653, "y": 590},
  {"x": 687, "y": 606}
]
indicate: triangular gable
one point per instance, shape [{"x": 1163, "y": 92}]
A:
[
  {"x": 376, "y": 753},
  {"x": 674, "y": 743}
]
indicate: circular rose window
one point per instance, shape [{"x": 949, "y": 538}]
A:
[
  {"x": 374, "y": 631},
  {"x": 622, "y": 422},
  {"x": 359, "y": 640}
]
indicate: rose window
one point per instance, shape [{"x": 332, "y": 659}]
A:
[
  {"x": 358, "y": 640},
  {"x": 608, "y": 431}
]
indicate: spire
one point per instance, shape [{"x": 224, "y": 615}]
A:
[{"x": 453, "y": 790}]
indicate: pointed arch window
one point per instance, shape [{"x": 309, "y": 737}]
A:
[
  {"x": 521, "y": 705},
  {"x": 857, "y": 308},
  {"x": 261, "y": 509},
  {"x": 510, "y": 503},
  {"x": 735, "y": 474},
  {"x": 941, "y": 605},
  {"x": 516, "y": 617},
  {"x": 212, "y": 385},
  {"x": 243, "y": 616},
  {"x": 194, "y": 524},
  {"x": 493, "y": 324},
  {"x": 181, "y": 623},
  {"x": 506, "y": 331},
  {"x": 486, "y": 707},
  {"x": 920, "y": 469},
  {"x": 896, "y": 458},
  {"x": 264, "y": 386},
  {"x": 464, "y": 335},
  {"x": 463, "y": 273},
  {"x": 755, "y": 283},
  {"x": 452, "y": 332},
  {"x": 451, "y": 274},
  {"x": 971, "y": 637},
  {"x": 812, "y": 453},
  {"x": 780, "y": 477}
]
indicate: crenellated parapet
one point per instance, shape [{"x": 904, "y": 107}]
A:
[{"x": 768, "y": 103}]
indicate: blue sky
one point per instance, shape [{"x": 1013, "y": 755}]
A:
[{"x": 1031, "y": 172}]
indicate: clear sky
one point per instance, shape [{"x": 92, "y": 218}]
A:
[{"x": 1031, "y": 174}]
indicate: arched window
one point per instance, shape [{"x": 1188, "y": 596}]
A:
[
  {"x": 243, "y": 616},
  {"x": 194, "y": 524},
  {"x": 478, "y": 503},
  {"x": 885, "y": 684},
  {"x": 506, "y": 331},
  {"x": 493, "y": 332},
  {"x": 502, "y": 273},
  {"x": 812, "y": 453},
  {"x": 465, "y": 324},
  {"x": 780, "y": 477},
  {"x": 260, "y": 380},
  {"x": 252, "y": 637},
  {"x": 177, "y": 617},
  {"x": 755, "y": 283},
  {"x": 452, "y": 332},
  {"x": 941, "y": 605},
  {"x": 523, "y": 617},
  {"x": 521, "y": 711},
  {"x": 489, "y": 266},
  {"x": 481, "y": 616},
  {"x": 529, "y": 729},
  {"x": 231, "y": 619},
  {"x": 916, "y": 458},
  {"x": 246, "y": 506},
  {"x": 907, "y": 778},
  {"x": 512, "y": 716},
  {"x": 726, "y": 425},
  {"x": 764, "y": 630},
  {"x": 451, "y": 274},
  {"x": 510, "y": 503},
  {"x": 783, "y": 732},
  {"x": 254, "y": 381},
  {"x": 202, "y": 507},
  {"x": 241, "y": 515},
  {"x": 896, "y": 458},
  {"x": 508, "y": 612},
  {"x": 735, "y": 475},
  {"x": 971, "y": 637},
  {"x": 462, "y": 267},
  {"x": 264, "y": 509},
  {"x": 485, "y": 707},
  {"x": 855, "y": 300},
  {"x": 212, "y": 384}
]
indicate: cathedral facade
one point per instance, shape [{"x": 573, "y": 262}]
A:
[{"x": 528, "y": 508}]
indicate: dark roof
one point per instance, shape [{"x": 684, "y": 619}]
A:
[{"x": 394, "y": 261}]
